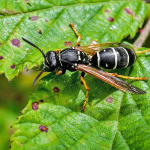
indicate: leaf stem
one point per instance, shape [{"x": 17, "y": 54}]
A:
[{"x": 141, "y": 39}]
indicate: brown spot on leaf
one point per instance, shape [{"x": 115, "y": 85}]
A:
[
  {"x": 56, "y": 89},
  {"x": 42, "y": 101},
  {"x": 128, "y": 11},
  {"x": 12, "y": 66},
  {"x": 81, "y": 82},
  {"x": 10, "y": 126},
  {"x": 109, "y": 99},
  {"x": 46, "y": 20},
  {"x": 110, "y": 19},
  {"x": 107, "y": 11},
  {"x": 43, "y": 128},
  {"x": 34, "y": 18},
  {"x": 68, "y": 43},
  {"x": 35, "y": 106},
  {"x": 1, "y": 57},
  {"x": 15, "y": 42},
  {"x": 39, "y": 31}
]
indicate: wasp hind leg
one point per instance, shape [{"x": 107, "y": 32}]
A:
[
  {"x": 87, "y": 90},
  {"x": 79, "y": 36},
  {"x": 140, "y": 52},
  {"x": 127, "y": 77}
]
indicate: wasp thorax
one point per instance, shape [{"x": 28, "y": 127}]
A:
[{"x": 51, "y": 60}]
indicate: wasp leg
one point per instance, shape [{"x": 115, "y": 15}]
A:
[
  {"x": 79, "y": 36},
  {"x": 140, "y": 52},
  {"x": 60, "y": 72},
  {"x": 57, "y": 50},
  {"x": 87, "y": 90},
  {"x": 127, "y": 77}
]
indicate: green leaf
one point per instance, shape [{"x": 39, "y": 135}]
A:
[
  {"x": 103, "y": 22},
  {"x": 112, "y": 119},
  {"x": 52, "y": 119}
]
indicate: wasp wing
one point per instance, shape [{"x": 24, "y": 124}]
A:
[
  {"x": 93, "y": 49},
  {"x": 113, "y": 81},
  {"x": 125, "y": 45}
]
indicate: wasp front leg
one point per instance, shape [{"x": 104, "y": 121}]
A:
[
  {"x": 60, "y": 72},
  {"x": 87, "y": 90},
  {"x": 57, "y": 50},
  {"x": 79, "y": 36}
]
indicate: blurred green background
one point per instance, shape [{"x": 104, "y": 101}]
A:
[{"x": 14, "y": 96}]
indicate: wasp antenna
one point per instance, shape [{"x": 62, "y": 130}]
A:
[
  {"x": 34, "y": 46},
  {"x": 37, "y": 77}
]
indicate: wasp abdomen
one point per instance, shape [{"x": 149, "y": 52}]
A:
[{"x": 114, "y": 58}]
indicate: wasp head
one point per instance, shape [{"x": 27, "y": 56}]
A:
[{"x": 51, "y": 61}]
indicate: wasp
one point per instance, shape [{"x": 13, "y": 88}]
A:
[{"x": 90, "y": 59}]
